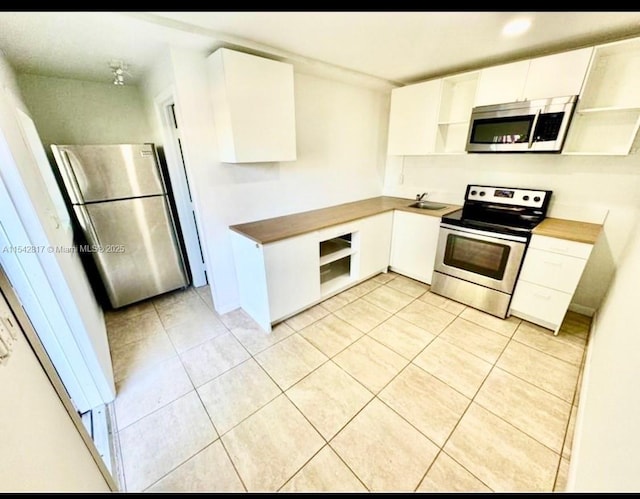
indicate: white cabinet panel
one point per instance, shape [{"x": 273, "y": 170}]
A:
[
  {"x": 557, "y": 75},
  {"x": 539, "y": 304},
  {"x": 562, "y": 246},
  {"x": 293, "y": 281},
  {"x": 555, "y": 271},
  {"x": 253, "y": 105},
  {"x": 554, "y": 75},
  {"x": 276, "y": 279},
  {"x": 413, "y": 118},
  {"x": 375, "y": 244},
  {"x": 550, "y": 273},
  {"x": 413, "y": 244},
  {"x": 503, "y": 83}
]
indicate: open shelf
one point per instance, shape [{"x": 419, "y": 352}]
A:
[
  {"x": 607, "y": 118},
  {"x": 335, "y": 275},
  {"x": 336, "y": 262},
  {"x": 335, "y": 249}
]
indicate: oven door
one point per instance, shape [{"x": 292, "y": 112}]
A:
[{"x": 481, "y": 257}]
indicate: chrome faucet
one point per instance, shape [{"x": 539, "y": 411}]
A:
[{"x": 420, "y": 196}]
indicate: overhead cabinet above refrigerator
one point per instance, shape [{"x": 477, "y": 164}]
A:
[
  {"x": 121, "y": 203},
  {"x": 253, "y": 106}
]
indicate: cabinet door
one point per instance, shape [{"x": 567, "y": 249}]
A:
[
  {"x": 413, "y": 118},
  {"x": 254, "y": 109},
  {"x": 375, "y": 244},
  {"x": 293, "y": 276},
  {"x": 500, "y": 84},
  {"x": 413, "y": 244},
  {"x": 557, "y": 75}
]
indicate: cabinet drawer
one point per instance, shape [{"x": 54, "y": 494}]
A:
[
  {"x": 546, "y": 305},
  {"x": 552, "y": 270},
  {"x": 563, "y": 246}
]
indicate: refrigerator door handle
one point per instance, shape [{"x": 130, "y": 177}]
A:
[
  {"x": 87, "y": 224},
  {"x": 67, "y": 170}
]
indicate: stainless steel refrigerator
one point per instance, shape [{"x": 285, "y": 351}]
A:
[{"x": 121, "y": 203}]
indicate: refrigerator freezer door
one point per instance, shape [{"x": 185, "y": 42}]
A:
[
  {"x": 133, "y": 244},
  {"x": 102, "y": 172}
]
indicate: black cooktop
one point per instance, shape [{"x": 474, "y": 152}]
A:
[{"x": 503, "y": 210}]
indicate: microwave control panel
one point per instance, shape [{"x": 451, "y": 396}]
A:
[{"x": 548, "y": 127}]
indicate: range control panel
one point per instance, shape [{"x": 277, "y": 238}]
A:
[{"x": 507, "y": 195}]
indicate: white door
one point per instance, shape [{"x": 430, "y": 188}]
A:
[{"x": 51, "y": 286}]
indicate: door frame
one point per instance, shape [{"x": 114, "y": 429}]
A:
[
  {"x": 11, "y": 297},
  {"x": 183, "y": 196}
]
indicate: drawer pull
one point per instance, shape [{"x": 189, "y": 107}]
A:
[
  {"x": 556, "y": 264},
  {"x": 544, "y": 297},
  {"x": 560, "y": 250}
]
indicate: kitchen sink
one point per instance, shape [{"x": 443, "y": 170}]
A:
[{"x": 427, "y": 205}]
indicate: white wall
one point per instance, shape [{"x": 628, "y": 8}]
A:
[
  {"x": 85, "y": 112},
  {"x": 604, "y": 457},
  {"x": 584, "y": 188},
  {"x": 42, "y": 450},
  {"x": 341, "y": 136}
]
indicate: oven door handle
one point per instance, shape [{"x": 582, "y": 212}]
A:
[{"x": 508, "y": 237}]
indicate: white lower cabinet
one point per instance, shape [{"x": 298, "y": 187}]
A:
[
  {"x": 277, "y": 279},
  {"x": 413, "y": 245},
  {"x": 375, "y": 244},
  {"x": 550, "y": 273}
]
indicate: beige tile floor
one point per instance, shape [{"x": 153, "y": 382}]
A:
[{"x": 384, "y": 387}]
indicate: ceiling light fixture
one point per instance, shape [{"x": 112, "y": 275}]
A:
[
  {"x": 118, "y": 68},
  {"x": 516, "y": 27}
]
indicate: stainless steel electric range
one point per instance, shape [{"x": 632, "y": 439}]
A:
[{"x": 482, "y": 245}]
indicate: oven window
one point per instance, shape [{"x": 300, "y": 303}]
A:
[
  {"x": 502, "y": 130},
  {"x": 480, "y": 257}
]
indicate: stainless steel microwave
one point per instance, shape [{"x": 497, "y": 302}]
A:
[{"x": 525, "y": 126}]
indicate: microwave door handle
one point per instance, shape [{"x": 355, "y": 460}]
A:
[{"x": 533, "y": 128}]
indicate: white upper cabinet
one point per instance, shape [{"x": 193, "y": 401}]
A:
[
  {"x": 503, "y": 83},
  {"x": 549, "y": 76},
  {"x": 253, "y": 105},
  {"x": 557, "y": 75},
  {"x": 413, "y": 118}
]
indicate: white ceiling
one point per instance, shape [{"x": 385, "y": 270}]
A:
[{"x": 400, "y": 47}]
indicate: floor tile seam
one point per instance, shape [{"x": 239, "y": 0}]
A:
[
  {"x": 403, "y": 292},
  {"x": 302, "y": 312},
  {"x": 252, "y": 412},
  {"x": 158, "y": 408},
  {"x": 402, "y": 355},
  {"x": 473, "y": 400},
  {"x": 220, "y": 373},
  {"x": 263, "y": 349},
  {"x": 520, "y": 321},
  {"x": 409, "y": 422},
  {"x": 343, "y": 349},
  {"x": 220, "y": 435},
  {"x": 521, "y": 430},
  {"x": 146, "y": 489},
  {"x": 132, "y": 342},
  {"x": 154, "y": 364},
  {"x": 504, "y": 368},
  {"x": 549, "y": 353},
  {"x": 386, "y": 310},
  {"x": 488, "y": 329},
  {"x": 335, "y": 451},
  {"x": 467, "y": 351},
  {"x": 192, "y": 455},
  {"x": 442, "y": 451}
]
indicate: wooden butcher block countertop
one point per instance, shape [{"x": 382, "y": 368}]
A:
[
  {"x": 582, "y": 232},
  {"x": 278, "y": 228}
]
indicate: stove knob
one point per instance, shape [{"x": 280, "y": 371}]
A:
[
  {"x": 482, "y": 193},
  {"x": 536, "y": 199},
  {"x": 473, "y": 193},
  {"x": 525, "y": 198}
]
